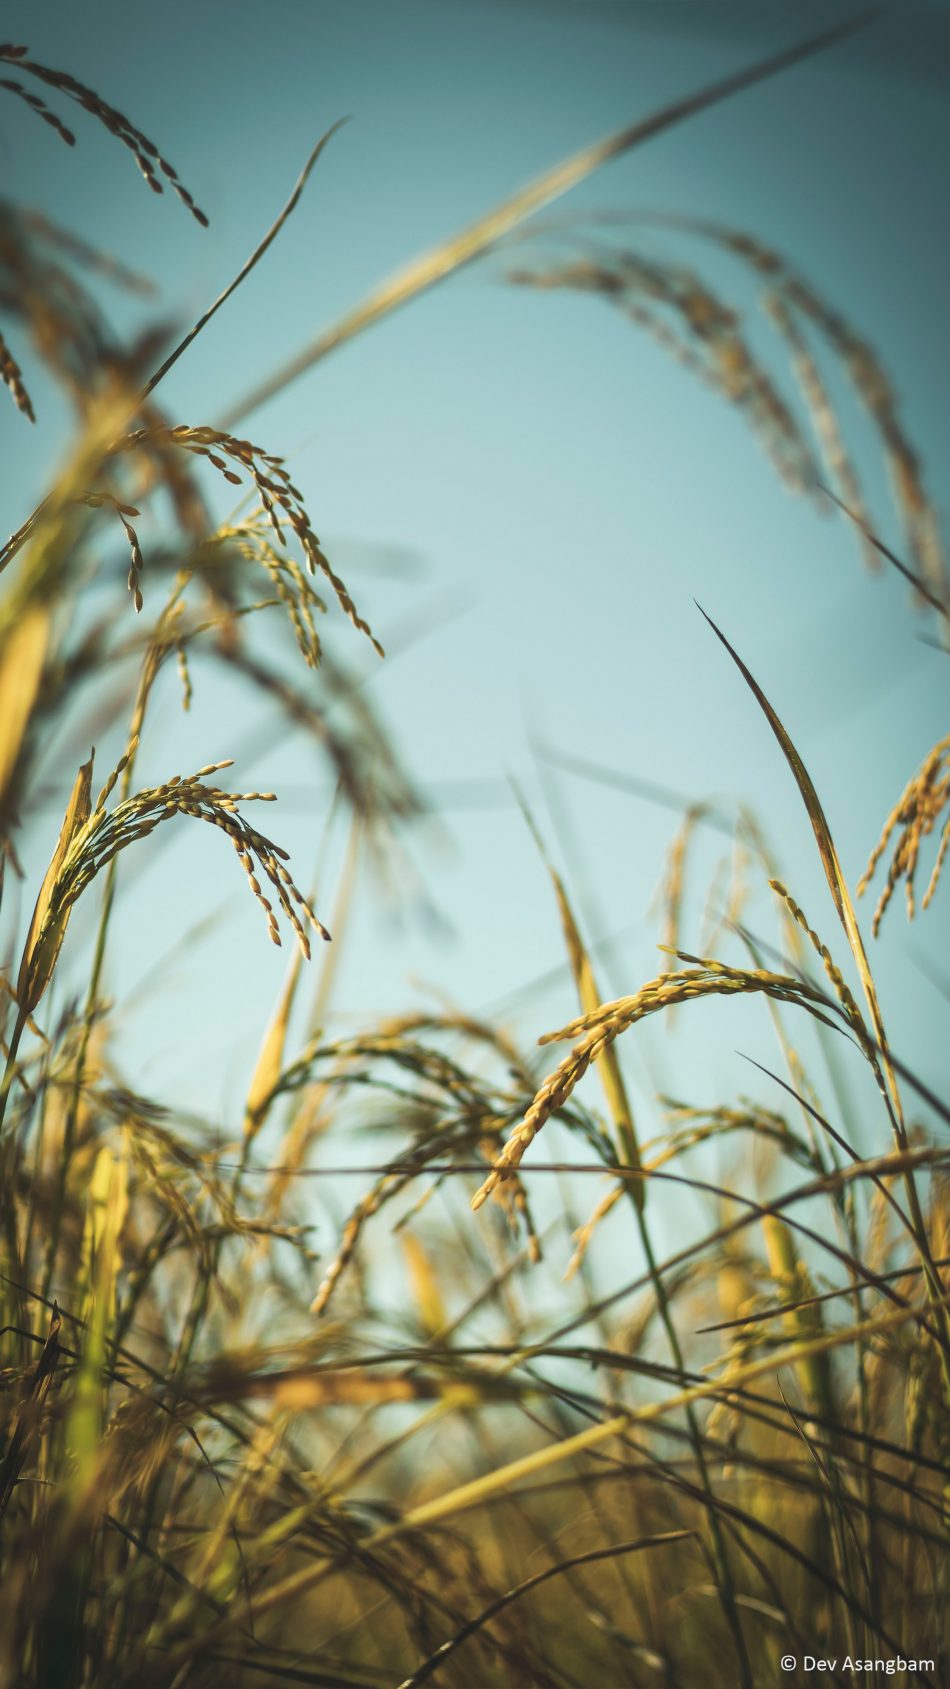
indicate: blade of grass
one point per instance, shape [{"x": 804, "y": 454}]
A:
[
  {"x": 844, "y": 905},
  {"x": 445, "y": 260},
  {"x": 246, "y": 268}
]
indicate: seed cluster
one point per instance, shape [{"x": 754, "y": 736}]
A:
[
  {"x": 146, "y": 155},
  {"x": 823, "y": 415},
  {"x": 104, "y": 833},
  {"x": 95, "y": 501},
  {"x": 281, "y": 499},
  {"x": 253, "y": 540},
  {"x": 841, "y": 988},
  {"x": 595, "y": 1032},
  {"x": 707, "y": 340},
  {"x": 876, "y": 392},
  {"x": 865, "y": 371},
  {"x": 915, "y": 815}
]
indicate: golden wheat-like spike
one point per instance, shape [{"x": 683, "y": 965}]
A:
[
  {"x": 841, "y": 987},
  {"x": 120, "y": 767},
  {"x": 913, "y": 818},
  {"x": 719, "y": 351},
  {"x": 281, "y": 500},
  {"x": 596, "y": 1032},
  {"x": 253, "y": 541},
  {"x": 95, "y": 501},
  {"x": 824, "y": 419},
  {"x": 40, "y": 107},
  {"x": 866, "y": 373},
  {"x": 48, "y": 925},
  {"x": 938, "y": 864},
  {"x": 352, "y": 1233},
  {"x": 150, "y": 161},
  {"x": 92, "y": 838},
  {"x": 184, "y": 675},
  {"x": 512, "y": 1199}
]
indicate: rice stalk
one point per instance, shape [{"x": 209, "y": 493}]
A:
[
  {"x": 91, "y": 838},
  {"x": 913, "y": 818},
  {"x": 151, "y": 164}
]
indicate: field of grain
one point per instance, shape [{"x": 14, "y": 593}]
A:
[{"x": 474, "y": 1344}]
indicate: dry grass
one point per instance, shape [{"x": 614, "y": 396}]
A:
[{"x": 418, "y": 1455}]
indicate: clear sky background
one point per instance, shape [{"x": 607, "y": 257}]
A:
[{"x": 526, "y": 495}]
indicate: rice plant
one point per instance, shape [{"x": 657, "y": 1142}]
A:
[{"x": 399, "y": 1449}]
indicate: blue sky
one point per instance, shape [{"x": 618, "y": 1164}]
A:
[{"x": 526, "y": 494}]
